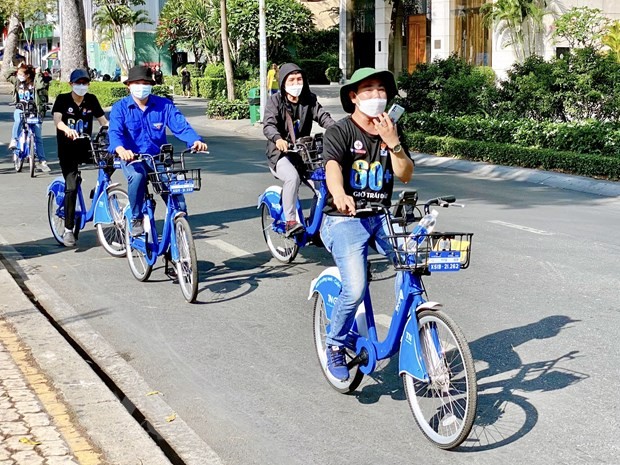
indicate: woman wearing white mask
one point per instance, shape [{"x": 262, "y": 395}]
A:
[
  {"x": 73, "y": 115},
  {"x": 363, "y": 153},
  {"x": 289, "y": 115}
]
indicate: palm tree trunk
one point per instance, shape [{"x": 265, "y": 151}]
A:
[
  {"x": 10, "y": 47},
  {"x": 230, "y": 87},
  {"x": 73, "y": 37}
]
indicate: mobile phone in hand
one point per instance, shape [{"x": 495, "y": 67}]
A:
[{"x": 396, "y": 111}]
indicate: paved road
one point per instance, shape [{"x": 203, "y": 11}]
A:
[{"x": 539, "y": 305}]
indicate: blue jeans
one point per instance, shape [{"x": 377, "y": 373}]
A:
[
  {"x": 136, "y": 173},
  {"x": 347, "y": 238},
  {"x": 38, "y": 139}
]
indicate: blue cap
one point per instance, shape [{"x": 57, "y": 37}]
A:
[{"x": 78, "y": 74}]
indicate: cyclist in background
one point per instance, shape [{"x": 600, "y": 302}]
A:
[
  {"x": 26, "y": 90},
  {"x": 288, "y": 116},
  {"x": 138, "y": 125},
  {"x": 73, "y": 115},
  {"x": 363, "y": 153}
]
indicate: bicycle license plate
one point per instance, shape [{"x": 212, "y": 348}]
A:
[
  {"x": 445, "y": 260},
  {"x": 181, "y": 187},
  {"x": 32, "y": 120}
]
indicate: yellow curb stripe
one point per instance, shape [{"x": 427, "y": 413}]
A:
[{"x": 82, "y": 449}]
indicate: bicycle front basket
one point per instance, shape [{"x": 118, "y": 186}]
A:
[
  {"x": 435, "y": 252},
  {"x": 176, "y": 181}
]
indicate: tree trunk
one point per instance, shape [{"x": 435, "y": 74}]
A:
[
  {"x": 230, "y": 87},
  {"x": 72, "y": 37},
  {"x": 10, "y": 47}
]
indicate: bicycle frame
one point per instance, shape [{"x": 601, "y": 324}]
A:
[
  {"x": 27, "y": 129},
  {"x": 99, "y": 210},
  {"x": 402, "y": 336},
  {"x": 272, "y": 197}
]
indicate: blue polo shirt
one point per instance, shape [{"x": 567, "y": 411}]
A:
[{"x": 145, "y": 131}]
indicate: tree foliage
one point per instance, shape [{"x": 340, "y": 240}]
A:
[
  {"x": 114, "y": 19},
  {"x": 612, "y": 39},
  {"x": 582, "y": 27}
]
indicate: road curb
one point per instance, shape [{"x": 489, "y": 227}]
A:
[{"x": 163, "y": 423}]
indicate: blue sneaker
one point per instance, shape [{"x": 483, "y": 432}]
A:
[{"x": 336, "y": 363}]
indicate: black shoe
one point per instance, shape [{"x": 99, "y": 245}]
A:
[{"x": 136, "y": 228}]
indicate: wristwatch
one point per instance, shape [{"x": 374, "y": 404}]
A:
[{"x": 397, "y": 149}]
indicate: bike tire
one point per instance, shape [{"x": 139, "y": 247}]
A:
[
  {"x": 31, "y": 154},
  {"x": 57, "y": 223},
  {"x": 187, "y": 266},
  {"x": 18, "y": 161},
  {"x": 138, "y": 265},
  {"x": 320, "y": 322},
  {"x": 444, "y": 408},
  {"x": 281, "y": 247},
  {"x": 112, "y": 236}
]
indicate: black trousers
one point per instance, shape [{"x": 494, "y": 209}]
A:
[{"x": 69, "y": 164}]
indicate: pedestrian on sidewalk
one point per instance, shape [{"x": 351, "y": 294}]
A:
[
  {"x": 73, "y": 115},
  {"x": 186, "y": 82},
  {"x": 288, "y": 116},
  {"x": 272, "y": 79},
  {"x": 26, "y": 90}
]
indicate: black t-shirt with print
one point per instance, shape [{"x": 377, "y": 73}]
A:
[
  {"x": 78, "y": 117},
  {"x": 365, "y": 160},
  {"x": 25, "y": 91}
]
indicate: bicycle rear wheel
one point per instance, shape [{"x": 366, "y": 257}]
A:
[
  {"x": 321, "y": 323},
  {"x": 444, "y": 407},
  {"x": 112, "y": 236},
  {"x": 31, "y": 153},
  {"x": 187, "y": 266},
  {"x": 281, "y": 247},
  {"x": 17, "y": 161},
  {"x": 57, "y": 223},
  {"x": 138, "y": 265}
]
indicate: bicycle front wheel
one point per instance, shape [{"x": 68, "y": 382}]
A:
[
  {"x": 17, "y": 161},
  {"x": 138, "y": 265},
  {"x": 112, "y": 236},
  {"x": 187, "y": 266},
  {"x": 31, "y": 153},
  {"x": 281, "y": 247},
  {"x": 57, "y": 223},
  {"x": 444, "y": 407},
  {"x": 321, "y": 323}
]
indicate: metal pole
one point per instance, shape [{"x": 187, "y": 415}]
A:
[{"x": 262, "y": 56}]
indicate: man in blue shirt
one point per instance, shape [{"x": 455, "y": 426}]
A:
[{"x": 138, "y": 126}]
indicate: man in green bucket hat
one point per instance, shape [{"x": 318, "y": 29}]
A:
[{"x": 363, "y": 153}]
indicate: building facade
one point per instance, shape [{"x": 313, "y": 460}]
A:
[{"x": 398, "y": 35}]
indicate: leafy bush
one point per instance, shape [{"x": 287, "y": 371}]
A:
[
  {"x": 333, "y": 74},
  {"x": 224, "y": 109},
  {"x": 512, "y": 155},
  {"x": 314, "y": 70},
  {"x": 215, "y": 70},
  {"x": 242, "y": 88},
  {"x": 107, "y": 92},
  {"x": 315, "y": 42}
]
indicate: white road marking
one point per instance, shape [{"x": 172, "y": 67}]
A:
[
  {"x": 522, "y": 228},
  {"x": 383, "y": 320},
  {"x": 228, "y": 248}
]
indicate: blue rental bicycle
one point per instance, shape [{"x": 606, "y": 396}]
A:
[
  {"x": 176, "y": 243},
  {"x": 26, "y": 144},
  {"x": 285, "y": 248},
  {"x": 435, "y": 362},
  {"x": 109, "y": 201}
]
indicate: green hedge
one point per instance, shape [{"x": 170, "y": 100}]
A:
[
  {"x": 201, "y": 87},
  {"x": 314, "y": 70},
  {"x": 223, "y": 109},
  {"x": 514, "y": 155},
  {"x": 107, "y": 92},
  {"x": 589, "y": 137}
]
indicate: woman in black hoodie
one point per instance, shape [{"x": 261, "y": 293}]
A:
[{"x": 289, "y": 115}]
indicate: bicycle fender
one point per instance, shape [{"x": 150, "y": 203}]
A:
[
  {"x": 102, "y": 213},
  {"x": 328, "y": 285},
  {"x": 272, "y": 197},
  {"x": 410, "y": 360},
  {"x": 428, "y": 306},
  {"x": 57, "y": 187}
]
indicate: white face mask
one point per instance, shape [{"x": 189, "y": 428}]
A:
[
  {"x": 21, "y": 77},
  {"x": 140, "y": 91},
  {"x": 372, "y": 107},
  {"x": 294, "y": 90},
  {"x": 80, "y": 89}
]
